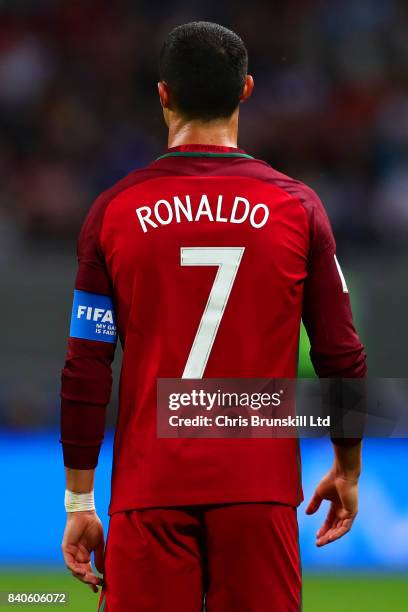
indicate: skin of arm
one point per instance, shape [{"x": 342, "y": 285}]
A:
[
  {"x": 83, "y": 533},
  {"x": 340, "y": 487}
]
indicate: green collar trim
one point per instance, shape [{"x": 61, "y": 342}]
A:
[{"x": 203, "y": 154}]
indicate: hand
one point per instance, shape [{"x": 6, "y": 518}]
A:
[
  {"x": 84, "y": 534},
  {"x": 342, "y": 491}
]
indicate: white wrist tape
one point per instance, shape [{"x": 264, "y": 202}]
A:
[{"x": 79, "y": 502}]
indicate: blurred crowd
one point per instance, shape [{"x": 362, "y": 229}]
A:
[{"x": 78, "y": 106}]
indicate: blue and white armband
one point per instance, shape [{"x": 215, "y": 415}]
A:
[{"x": 93, "y": 317}]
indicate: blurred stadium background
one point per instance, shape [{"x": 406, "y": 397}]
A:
[{"x": 78, "y": 110}]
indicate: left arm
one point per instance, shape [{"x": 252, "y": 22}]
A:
[
  {"x": 85, "y": 393},
  {"x": 83, "y": 531}
]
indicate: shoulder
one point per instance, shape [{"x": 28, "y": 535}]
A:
[
  {"x": 96, "y": 213},
  {"x": 292, "y": 186},
  {"x": 133, "y": 178},
  {"x": 318, "y": 221},
  {"x": 91, "y": 228}
]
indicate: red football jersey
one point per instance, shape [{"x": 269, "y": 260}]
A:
[{"x": 210, "y": 258}]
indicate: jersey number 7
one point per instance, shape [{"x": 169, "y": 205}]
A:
[{"x": 228, "y": 260}]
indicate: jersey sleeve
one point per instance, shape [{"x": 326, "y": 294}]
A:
[
  {"x": 336, "y": 350},
  {"x": 86, "y": 380}
]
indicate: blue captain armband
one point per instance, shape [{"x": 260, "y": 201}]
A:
[{"x": 93, "y": 317}]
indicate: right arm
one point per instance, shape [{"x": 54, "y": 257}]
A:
[
  {"x": 340, "y": 487},
  {"x": 336, "y": 352}
]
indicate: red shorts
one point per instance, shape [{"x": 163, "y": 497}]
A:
[{"x": 236, "y": 558}]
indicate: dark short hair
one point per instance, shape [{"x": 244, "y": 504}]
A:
[{"x": 204, "y": 65}]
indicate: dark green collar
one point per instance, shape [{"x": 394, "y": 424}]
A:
[{"x": 203, "y": 154}]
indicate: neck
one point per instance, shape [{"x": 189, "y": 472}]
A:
[{"x": 221, "y": 132}]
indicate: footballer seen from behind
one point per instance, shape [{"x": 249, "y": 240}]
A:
[{"x": 203, "y": 265}]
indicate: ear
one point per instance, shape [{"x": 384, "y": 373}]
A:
[
  {"x": 164, "y": 94},
  {"x": 248, "y": 88}
]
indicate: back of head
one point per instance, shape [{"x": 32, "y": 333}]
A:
[{"x": 204, "y": 66}]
